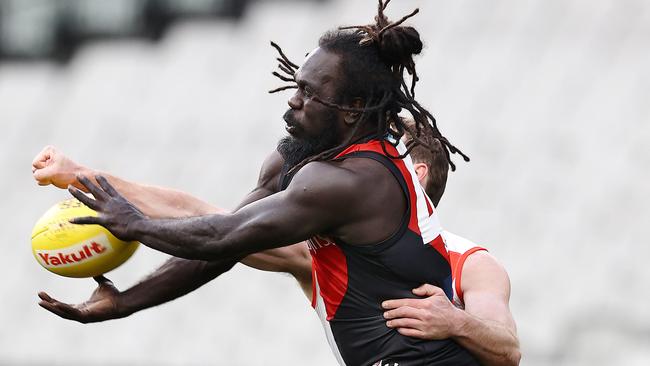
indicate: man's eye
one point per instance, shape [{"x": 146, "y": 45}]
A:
[{"x": 308, "y": 92}]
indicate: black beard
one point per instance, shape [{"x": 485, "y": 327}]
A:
[{"x": 295, "y": 150}]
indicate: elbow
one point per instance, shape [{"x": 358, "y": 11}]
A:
[
  {"x": 510, "y": 356},
  {"x": 513, "y": 357},
  {"x": 507, "y": 359}
]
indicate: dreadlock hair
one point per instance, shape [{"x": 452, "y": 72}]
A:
[{"x": 374, "y": 58}]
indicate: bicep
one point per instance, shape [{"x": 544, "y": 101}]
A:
[
  {"x": 316, "y": 202},
  {"x": 486, "y": 289}
]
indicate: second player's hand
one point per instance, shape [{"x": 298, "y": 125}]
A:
[
  {"x": 115, "y": 212},
  {"x": 51, "y": 166},
  {"x": 102, "y": 305},
  {"x": 433, "y": 317}
]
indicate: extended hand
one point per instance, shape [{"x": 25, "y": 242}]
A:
[
  {"x": 429, "y": 318},
  {"x": 51, "y": 166},
  {"x": 115, "y": 213},
  {"x": 102, "y": 305}
]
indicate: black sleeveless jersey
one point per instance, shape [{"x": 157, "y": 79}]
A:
[{"x": 350, "y": 282}]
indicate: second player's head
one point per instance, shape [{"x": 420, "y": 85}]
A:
[{"x": 431, "y": 165}]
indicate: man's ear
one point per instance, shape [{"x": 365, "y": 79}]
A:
[
  {"x": 422, "y": 171},
  {"x": 352, "y": 117}
]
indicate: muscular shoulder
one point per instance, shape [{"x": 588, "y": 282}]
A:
[
  {"x": 270, "y": 171},
  {"x": 361, "y": 193},
  {"x": 483, "y": 272},
  {"x": 343, "y": 178},
  {"x": 321, "y": 181}
]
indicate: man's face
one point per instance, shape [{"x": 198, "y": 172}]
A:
[{"x": 313, "y": 127}]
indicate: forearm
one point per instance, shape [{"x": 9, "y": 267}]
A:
[
  {"x": 194, "y": 238},
  {"x": 262, "y": 225},
  {"x": 175, "y": 278},
  {"x": 492, "y": 343},
  {"x": 154, "y": 201}
]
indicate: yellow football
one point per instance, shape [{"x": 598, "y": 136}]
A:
[{"x": 76, "y": 250}]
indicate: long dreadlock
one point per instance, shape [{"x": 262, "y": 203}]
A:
[{"x": 378, "y": 54}]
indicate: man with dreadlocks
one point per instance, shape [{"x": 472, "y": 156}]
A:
[
  {"x": 368, "y": 246},
  {"x": 481, "y": 288}
]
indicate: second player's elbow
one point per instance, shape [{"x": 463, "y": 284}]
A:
[
  {"x": 507, "y": 356},
  {"x": 516, "y": 358},
  {"x": 513, "y": 357}
]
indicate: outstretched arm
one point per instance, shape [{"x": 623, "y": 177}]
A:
[
  {"x": 317, "y": 201},
  {"x": 485, "y": 328},
  {"x": 177, "y": 276},
  {"x": 51, "y": 166}
]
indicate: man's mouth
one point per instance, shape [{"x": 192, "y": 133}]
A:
[
  {"x": 291, "y": 129},
  {"x": 291, "y": 126}
]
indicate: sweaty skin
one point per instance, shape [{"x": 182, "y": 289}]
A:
[
  {"x": 488, "y": 330},
  {"x": 485, "y": 327},
  {"x": 323, "y": 205},
  {"x": 177, "y": 276}
]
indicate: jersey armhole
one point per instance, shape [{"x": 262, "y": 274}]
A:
[{"x": 459, "y": 270}]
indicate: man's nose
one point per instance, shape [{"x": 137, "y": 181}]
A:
[{"x": 295, "y": 102}]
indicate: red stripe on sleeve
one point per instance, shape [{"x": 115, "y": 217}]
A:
[{"x": 458, "y": 271}]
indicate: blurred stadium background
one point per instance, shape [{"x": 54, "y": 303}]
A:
[{"x": 550, "y": 98}]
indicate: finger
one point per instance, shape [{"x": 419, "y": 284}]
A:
[
  {"x": 87, "y": 220},
  {"x": 393, "y": 304},
  {"x": 57, "y": 307},
  {"x": 404, "y": 323},
  {"x": 93, "y": 204},
  {"x": 92, "y": 188},
  {"x": 40, "y": 161},
  {"x": 410, "y": 332},
  {"x": 403, "y": 312},
  {"x": 101, "y": 280},
  {"x": 427, "y": 290},
  {"x": 42, "y": 175},
  {"x": 63, "y": 310},
  {"x": 44, "y": 296},
  {"x": 103, "y": 182}
]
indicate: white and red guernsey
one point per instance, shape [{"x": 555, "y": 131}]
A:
[
  {"x": 459, "y": 250},
  {"x": 350, "y": 282}
]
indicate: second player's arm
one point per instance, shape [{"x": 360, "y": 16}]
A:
[{"x": 486, "y": 327}]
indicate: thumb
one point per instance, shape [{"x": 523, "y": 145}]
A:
[
  {"x": 43, "y": 176},
  {"x": 101, "y": 280},
  {"x": 427, "y": 290}
]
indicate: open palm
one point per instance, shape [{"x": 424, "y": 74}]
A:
[{"x": 102, "y": 304}]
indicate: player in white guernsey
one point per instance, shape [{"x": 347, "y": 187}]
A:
[{"x": 480, "y": 320}]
